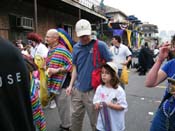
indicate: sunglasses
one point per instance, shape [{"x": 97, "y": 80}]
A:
[{"x": 30, "y": 41}]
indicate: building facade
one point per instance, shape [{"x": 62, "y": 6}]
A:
[
  {"x": 149, "y": 34},
  {"x": 19, "y": 17}
]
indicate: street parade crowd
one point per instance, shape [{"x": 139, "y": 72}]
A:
[{"x": 83, "y": 77}]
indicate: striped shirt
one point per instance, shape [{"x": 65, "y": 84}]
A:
[{"x": 58, "y": 57}]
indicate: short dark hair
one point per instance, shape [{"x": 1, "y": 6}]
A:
[
  {"x": 115, "y": 80},
  {"x": 173, "y": 39},
  {"x": 118, "y": 38}
]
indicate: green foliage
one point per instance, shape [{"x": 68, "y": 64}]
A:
[{"x": 104, "y": 38}]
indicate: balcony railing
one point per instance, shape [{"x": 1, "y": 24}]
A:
[{"x": 91, "y": 4}]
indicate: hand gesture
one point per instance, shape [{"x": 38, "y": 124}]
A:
[
  {"x": 98, "y": 106},
  {"x": 51, "y": 71},
  {"x": 68, "y": 90},
  {"x": 125, "y": 63},
  {"x": 164, "y": 50}
]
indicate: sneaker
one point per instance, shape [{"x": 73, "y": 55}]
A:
[
  {"x": 52, "y": 104},
  {"x": 142, "y": 74}
]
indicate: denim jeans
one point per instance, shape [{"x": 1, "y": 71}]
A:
[{"x": 162, "y": 122}]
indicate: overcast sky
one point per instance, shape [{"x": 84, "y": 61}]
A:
[{"x": 158, "y": 12}]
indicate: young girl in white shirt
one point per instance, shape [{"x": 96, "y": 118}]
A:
[{"x": 110, "y": 100}]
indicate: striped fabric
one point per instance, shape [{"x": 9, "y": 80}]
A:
[
  {"x": 38, "y": 114},
  {"x": 65, "y": 39},
  {"x": 58, "y": 57}
]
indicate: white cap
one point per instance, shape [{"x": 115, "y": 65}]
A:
[
  {"x": 83, "y": 27},
  {"x": 113, "y": 66}
]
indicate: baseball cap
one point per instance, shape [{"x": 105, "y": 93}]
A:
[{"x": 83, "y": 27}]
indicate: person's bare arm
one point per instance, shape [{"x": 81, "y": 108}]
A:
[
  {"x": 73, "y": 78},
  {"x": 156, "y": 75},
  {"x": 115, "y": 106},
  {"x": 129, "y": 59}
]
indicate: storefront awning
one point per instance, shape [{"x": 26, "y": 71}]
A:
[{"x": 84, "y": 9}]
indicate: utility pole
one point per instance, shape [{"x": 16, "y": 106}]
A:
[
  {"x": 101, "y": 27},
  {"x": 79, "y": 14},
  {"x": 36, "y": 15}
]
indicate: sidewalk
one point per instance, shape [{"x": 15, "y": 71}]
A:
[{"x": 53, "y": 121}]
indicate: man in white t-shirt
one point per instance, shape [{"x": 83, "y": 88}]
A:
[{"x": 121, "y": 54}]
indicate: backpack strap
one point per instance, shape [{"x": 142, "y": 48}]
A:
[
  {"x": 167, "y": 96},
  {"x": 164, "y": 99},
  {"x": 96, "y": 53}
]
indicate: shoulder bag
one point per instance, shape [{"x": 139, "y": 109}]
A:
[{"x": 96, "y": 73}]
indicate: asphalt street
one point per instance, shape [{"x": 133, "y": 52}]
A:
[{"x": 142, "y": 105}]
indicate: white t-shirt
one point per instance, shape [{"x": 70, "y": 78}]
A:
[
  {"x": 40, "y": 50},
  {"x": 105, "y": 94},
  {"x": 120, "y": 54}
]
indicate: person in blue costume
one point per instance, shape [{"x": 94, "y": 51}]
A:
[{"x": 164, "y": 119}]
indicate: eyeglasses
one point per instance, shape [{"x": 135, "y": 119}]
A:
[
  {"x": 30, "y": 41},
  {"x": 116, "y": 50}
]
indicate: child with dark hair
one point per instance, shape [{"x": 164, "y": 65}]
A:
[{"x": 110, "y": 100}]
